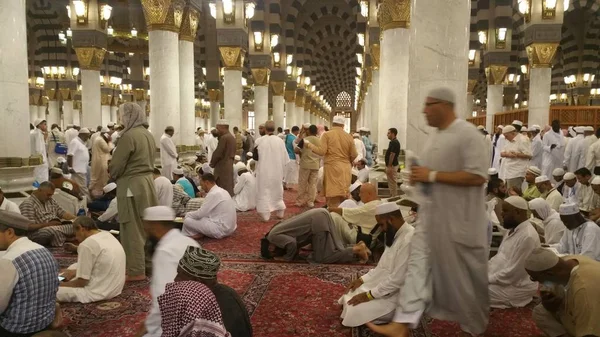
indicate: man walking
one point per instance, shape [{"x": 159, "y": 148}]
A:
[
  {"x": 222, "y": 158},
  {"x": 391, "y": 161},
  {"x": 78, "y": 158}
]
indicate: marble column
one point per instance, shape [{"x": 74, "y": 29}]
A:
[
  {"x": 539, "y": 96},
  {"x": 307, "y": 106},
  {"x": 299, "y": 108},
  {"x": 495, "y": 93},
  {"x": 373, "y": 123},
  {"x": 261, "y": 95},
  {"x": 90, "y": 97},
  {"x": 200, "y": 123},
  {"x": 187, "y": 93},
  {"x": 469, "y": 109},
  {"x": 42, "y": 110},
  {"x": 439, "y": 47},
  {"x": 77, "y": 113},
  {"x": 290, "y": 108},
  {"x": 53, "y": 109},
  {"x": 105, "y": 111},
  {"x": 278, "y": 104},
  {"x": 114, "y": 112},
  {"x": 67, "y": 112},
  {"x": 33, "y": 113},
  {"x": 214, "y": 96},
  {"x": 233, "y": 58}
]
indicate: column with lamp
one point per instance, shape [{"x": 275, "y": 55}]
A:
[
  {"x": 374, "y": 50},
  {"x": 290, "y": 104},
  {"x": 260, "y": 64},
  {"x": 187, "y": 35}
]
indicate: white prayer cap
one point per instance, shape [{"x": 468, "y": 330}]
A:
[
  {"x": 541, "y": 259},
  {"x": 339, "y": 120},
  {"x": 569, "y": 176},
  {"x": 367, "y": 130},
  {"x": 480, "y": 127},
  {"x": 534, "y": 170},
  {"x": 223, "y": 122},
  {"x": 206, "y": 168},
  {"x": 355, "y": 135},
  {"x": 109, "y": 187},
  {"x": 558, "y": 172},
  {"x": 517, "y": 122},
  {"x": 362, "y": 128},
  {"x": 386, "y": 207},
  {"x": 159, "y": 213},
  {"x": 589, "y": 129},
  {"x": 535, "y": 127},
  {"x": 306, "y": 125},
  {"x": 84, "y": 131},
  {"x": 541, "y": 179},
  {"x": 104, "y": 129},
  {"x": 492, "y": 171},
  {"x": 596, "y": 180},
  {"x": 61, "y": 160},
  {"x": 500, "y": 127},
  {"x": 236, "y": 157},
  {"x": 517, "y": 202},
  {"x": 38, "y": 121},
  {"x": 443, "y": 94},
  {"x": 56, "y": 170},
  {"x": 111, "y": 124},
  {"x": 524, "y": 129},
  {"x": 178, "y": 171},
  {"x": 579, "y": 129},
  {"x": 571, "y": 131},
  {"x": 508, "y": 128},
  {"x": 355, "y": 185},
  {"x": 249, "y": 154},
  {"x": 568, "y": 209}
]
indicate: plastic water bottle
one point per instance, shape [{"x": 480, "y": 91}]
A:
[{"x": 81, "y": 212}]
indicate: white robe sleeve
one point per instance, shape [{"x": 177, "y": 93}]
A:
[
  {"x": 210, "y": 202},
  {"x": 239, "y": 186},
  {"x": 512, "y": 271},
  {"x": 169, "y": 147},
  {"x": 111, "y": 212},
  {"x": 395, "y": 279},
  {"x": 590, "y": 246}
]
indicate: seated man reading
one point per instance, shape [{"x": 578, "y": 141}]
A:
[
  {"x": 99, "y": 273},
  {"x": 47, "y": 217},
  {"x": 374, "y": 296}
]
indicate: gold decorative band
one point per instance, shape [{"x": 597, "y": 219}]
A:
[
  {"x": 233, "y": 57},
  {"x": 163, "y": 14},
  {"x": 189, "y": 25},
  {"x": 541, "y": 55},
  {"x": 261, "y": 76},
  {"x": 471, "y": 86},
  {"x": 90, "y": 58},
  {"x": 495, "y": 74},
  {"x": 278, "y": 87},
  {"x": 394, "y": 14},
  {"x": 289, "y": 96},
  {"x": 299, "y": 100},
  {"x": 214, "y": 95}
]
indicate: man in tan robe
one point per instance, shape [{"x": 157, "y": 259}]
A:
[
  {"x": 339, "y": 151},
  {"x": 222, "y": 158},
  {"x": 101, "y": 148},
  {"x": 132, "y": 166}
]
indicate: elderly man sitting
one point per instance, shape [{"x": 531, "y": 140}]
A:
[
  {"x": 47, "y": 217},
  {"x": 216, "y": 218},
  {"x": 554, "y": 228},
  {"x": 379, "y": 288},
  {"x": 549, "y": 193},
  {"x": 530, "y": 190},
  {"x": 510, "y": 286},
  {"x": 99, "y": 273}
]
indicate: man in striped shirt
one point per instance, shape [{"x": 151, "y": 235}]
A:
[{"x": 47, "y": 217}]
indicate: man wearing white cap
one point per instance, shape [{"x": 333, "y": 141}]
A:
[
  {"x": 582, "y": 237},
  {"x": 537, "y": 148},
  {"x": 515, "y": 158},
  {"x": 548, "y": 193},
  {"x": 573, "y": 152},
  {"x": 339, "y": 151},
  {"x": 101, "y": 148},
  {"x": 237, "y": 165},
  {"x": 374, "y": 296},
  {"x": 55, "y": 137},
  {"x": 251, "y": 163},
  {"x": 245, "y": 190},
  {"x": 558, "y": 175},
  {"x": 39, "y": 148},
  {"x": 181, "y": 180},
  {"x": 364, "y": 133},
  {"x": 363, "y": 171},
  {"x": 498, "y": 141},
  {"x": 593, "y": 156},
  {"x": 354, "y": 200},
  {"x": 586, "y": 198},
  {"x": 530, "y": 190},
  {"x": 360, "y": 147},
  {"x": 78, "y": 158},
  {"x": 168, "y": 153},
  {"x": 170, "y": 247},
  {"x": 571, "y": 187},
  {"x": 200, "y": 139},
  {"x": 510, "y": 286},
  {"x": 566, "y": 313},
  {"x": 554, "y": 229},
  {"x": 554, "y": 149},
  {"x": 291, "y": 168},
  {"x": 222, "y": 158},
  {"x": 113, "y": 210}
]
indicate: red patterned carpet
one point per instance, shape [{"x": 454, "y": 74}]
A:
[{"x": 283, "y": 299}]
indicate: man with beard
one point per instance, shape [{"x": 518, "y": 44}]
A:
[
  {"x": 374, "y": 295},
  {"x": 510, "y": 286},
  {"x": 583, "y": 235},
  {"x": 496, "y": 191}
]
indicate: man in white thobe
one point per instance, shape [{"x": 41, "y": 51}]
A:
[
  {"x": 211, "y": 143},
  {"x": 549, "y": 193},
  {"x": 38, "y": 148},
  {"x": 237, "y": 165},
  {"x": 244, "y": 191},
  {"x": 582, "y": 236},
  {"x": 586, "y": 198},
  {"x": 374, "y": 295},
  {"x": 360, "y": 147},
  {"x": 554, "y": 149},
  {"x": 363, "y": 171},
  {"x": 216, "y": 218},
  {"x": 497, "y": 145},
  {"x": 168, "y": 153},
  {"x": 271, "y": 159},
  {"x": 593, "y": 157},
  {"x": 515, "y": 157},
  {"x": 537, "y": 148},
  {"x": 164, "y": 189},
  {"x": 573, "y": 151},
  {"x": 510, "y": 286},
  {"x": 200, "y": 140},
  {"x": 71, "y": 132}
]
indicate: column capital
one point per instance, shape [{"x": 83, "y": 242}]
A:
[
  {"x": 495, "y": 74},
  {"x": 105, "y": 99},
  {"x": 214, "y": 95},
  {"x": 52, "y": 94},
  {"x": 278, "y": 88},
  {"x": 90, "y": 58},
  {"x": 163, "y": 14},
  {"x": 189, "y": 24},
  {"x": 233, "y": 57},
  {"x": 300, "y": 98},
  {"x": 66, "y": 94},
  {"x": 289, "y": 96},
  {"x": 541, "y": 55},
  {"x": 261, "y": 76},
  {"x": 375, "y": 52},
  {"x": 307, "y": 102},
  {"x": 471, "y": 86},
  {"x": 394, "y": 14}
]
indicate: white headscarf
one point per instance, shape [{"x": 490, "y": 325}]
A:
[
  {"x": 543, "y": 209},
  {"x": 132, "y": 116}
]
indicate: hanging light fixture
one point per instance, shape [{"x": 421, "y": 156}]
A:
[
  {"x": 75, "y": 71},
  {"x": 289, "y": 58},
  {"x": 274, "y": 40},
  {"x": 548, "y": 9},
  {"x": 307, "y": 81},
  {"x": 134, "y": 32},
  {"x": 361, "y": 39},
  {"x": 472, "y": 54},
  {"x": 105, "y": 12},
  {"x": 501, "y": 38},
  {"x": 359, "y": 57},
  {"x": 482, "y": 37},
  {"x": 81, "y": 11},
  {"x": 69, "y": 11},
  {"x": 288, "y": 70},
  {"x": 69, "y": 33},
  {"x": 276, "y": 58},
  {"x": 110, "y": 31},
  {"x": 213, "y": 9},
  {"x": 204, "y": 71},
  {"x": 249, "y": 9},
  {"x": 364, "y": 8},
  {"x": 524, "y": 69},
  {"x": 258, "y": 41}
]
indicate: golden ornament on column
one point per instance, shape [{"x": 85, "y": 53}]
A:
[
  {"x": 495, "y": 74},
  {"x": 299, "y": 100},
  {"x": 198, "y": 113},
  {"x": 189, "y": 25},
  {"x": 214, "y": 95},
  {"x": 541, "y": 55},
  {"x": 369, "y": 76},
  {"x": 52, "y": 94},
  {"x": 233, "y": 57},
  {"x": 307, "y": 103},
  {"x": 261, "y": 76},
  {"x": 90, "y": 58},
  {"x": 105, "y": 99},
  {"x": 139, "y": 94},
  {"x": 32, "y": 100},
  {"x": 163, "y": 14},
  {"x": 289, "y": 96},
  {"x": 278, "y": 88},
  {"x": 375, "y": 50},
  {"x": 471, "y": 86},
  {"x": 65, "y": 94},
  {"x": 394, "y": 14}
]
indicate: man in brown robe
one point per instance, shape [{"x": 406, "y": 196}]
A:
[
  {"x": 337, "y": 146},
  {"x": 222, "y": 158}
]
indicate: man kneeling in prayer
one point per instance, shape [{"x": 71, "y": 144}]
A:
[
  {"x": 373, "y": 297},
  {"x": 99, "y": 273}
]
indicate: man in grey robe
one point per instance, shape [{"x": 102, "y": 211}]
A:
[{"x": 453, "y": 224}]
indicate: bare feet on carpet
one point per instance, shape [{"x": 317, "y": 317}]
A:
[
  {"x": 135, "y": 278},
  {"x": 58, "y": 318},
  {"x": 361, "y": 250},
  {"x": 392, "y": 329}
]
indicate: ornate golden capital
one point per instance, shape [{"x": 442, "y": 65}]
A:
[
  {"x": 32, "y": 100},
  {"x": 189, "y": 25},
  {"x": 307, "y": 103},
  {"x": 233, "y": 57},
  {"x": 139, "y": 94},
  {"x": 299, "y": 100},
  {"x": 198, "y": 113},
  {"x": 261, "y": 76},
  {"x": 495, "y": 74},
  {"x": 289, "y": 96},
  {"x": 375, "y": 50},
  {"x": 541, "y": 55},
  {"x": 65, "y": 94},
  {"x": 90, "y": 58},
  {"x": 471, "y": 86},
  {"x": 369, "y": 75},
  {"x": 214, "y": 95},
  {"x": 278, "y": 87},
  {"x": 394, "y": 14},
  {"x": 52, "y": 94},
  {"x": 163, "y": 14},
  {"x": 105, "y": 99}
]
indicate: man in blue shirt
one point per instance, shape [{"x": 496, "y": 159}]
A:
[
  {"x": 182, "y": 181},
  {"x": 291, "y": 170}
]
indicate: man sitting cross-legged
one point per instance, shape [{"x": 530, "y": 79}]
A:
[
  {"x": 202, "y": 266},
  {"x": 314, "y": 227},
  {"x": 510, "y": 286},
  {"x": 47, "y": 216},
  {"x": 99, "y": 273},
  {"x": 374, "y": 296},
  {"x": 216, "y": 218}
]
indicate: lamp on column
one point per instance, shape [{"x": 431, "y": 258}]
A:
[
  {"x": 548, "y": 9},
  {"x": 147, "y": 73},
  {"x": 213, "y": 9},
  {"x": 81, "y": 11},
  {"x": 361, "y": 39},
  {"x": 134, "y": 32},
  {"x": 228, "y": 11},
  {"x": 276, "y": 59},
  {"x": 110, "y": 31},
  {"x": 587, "y": 79},
  {"x": 289, "y": 70},
  {"x": 501, "y": 38},
  {"x": 62, "y": 37},
  {"x": 570, "y": 81},
  {"x": 258, "y": 41},
  {"x": 250, "y": 6},
  {"x": 359, "y": 57},
  {"x": 104, "y": 12},
  {"x": 69, "y": 11},
  {"x": 274, "y": 40},
  {"x": 364, "y": 8},
  {"x": 524, "y": 9},
  {"x": 472, "y": 55},
  {"x": 482, "y": 37},
  {"x": 69, "y": 33},
  {"x": 289, "y": 58},
  {"x": 512, "y": 79}
]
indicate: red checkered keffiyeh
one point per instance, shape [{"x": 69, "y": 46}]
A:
[{"x": 190, "y": 309}]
